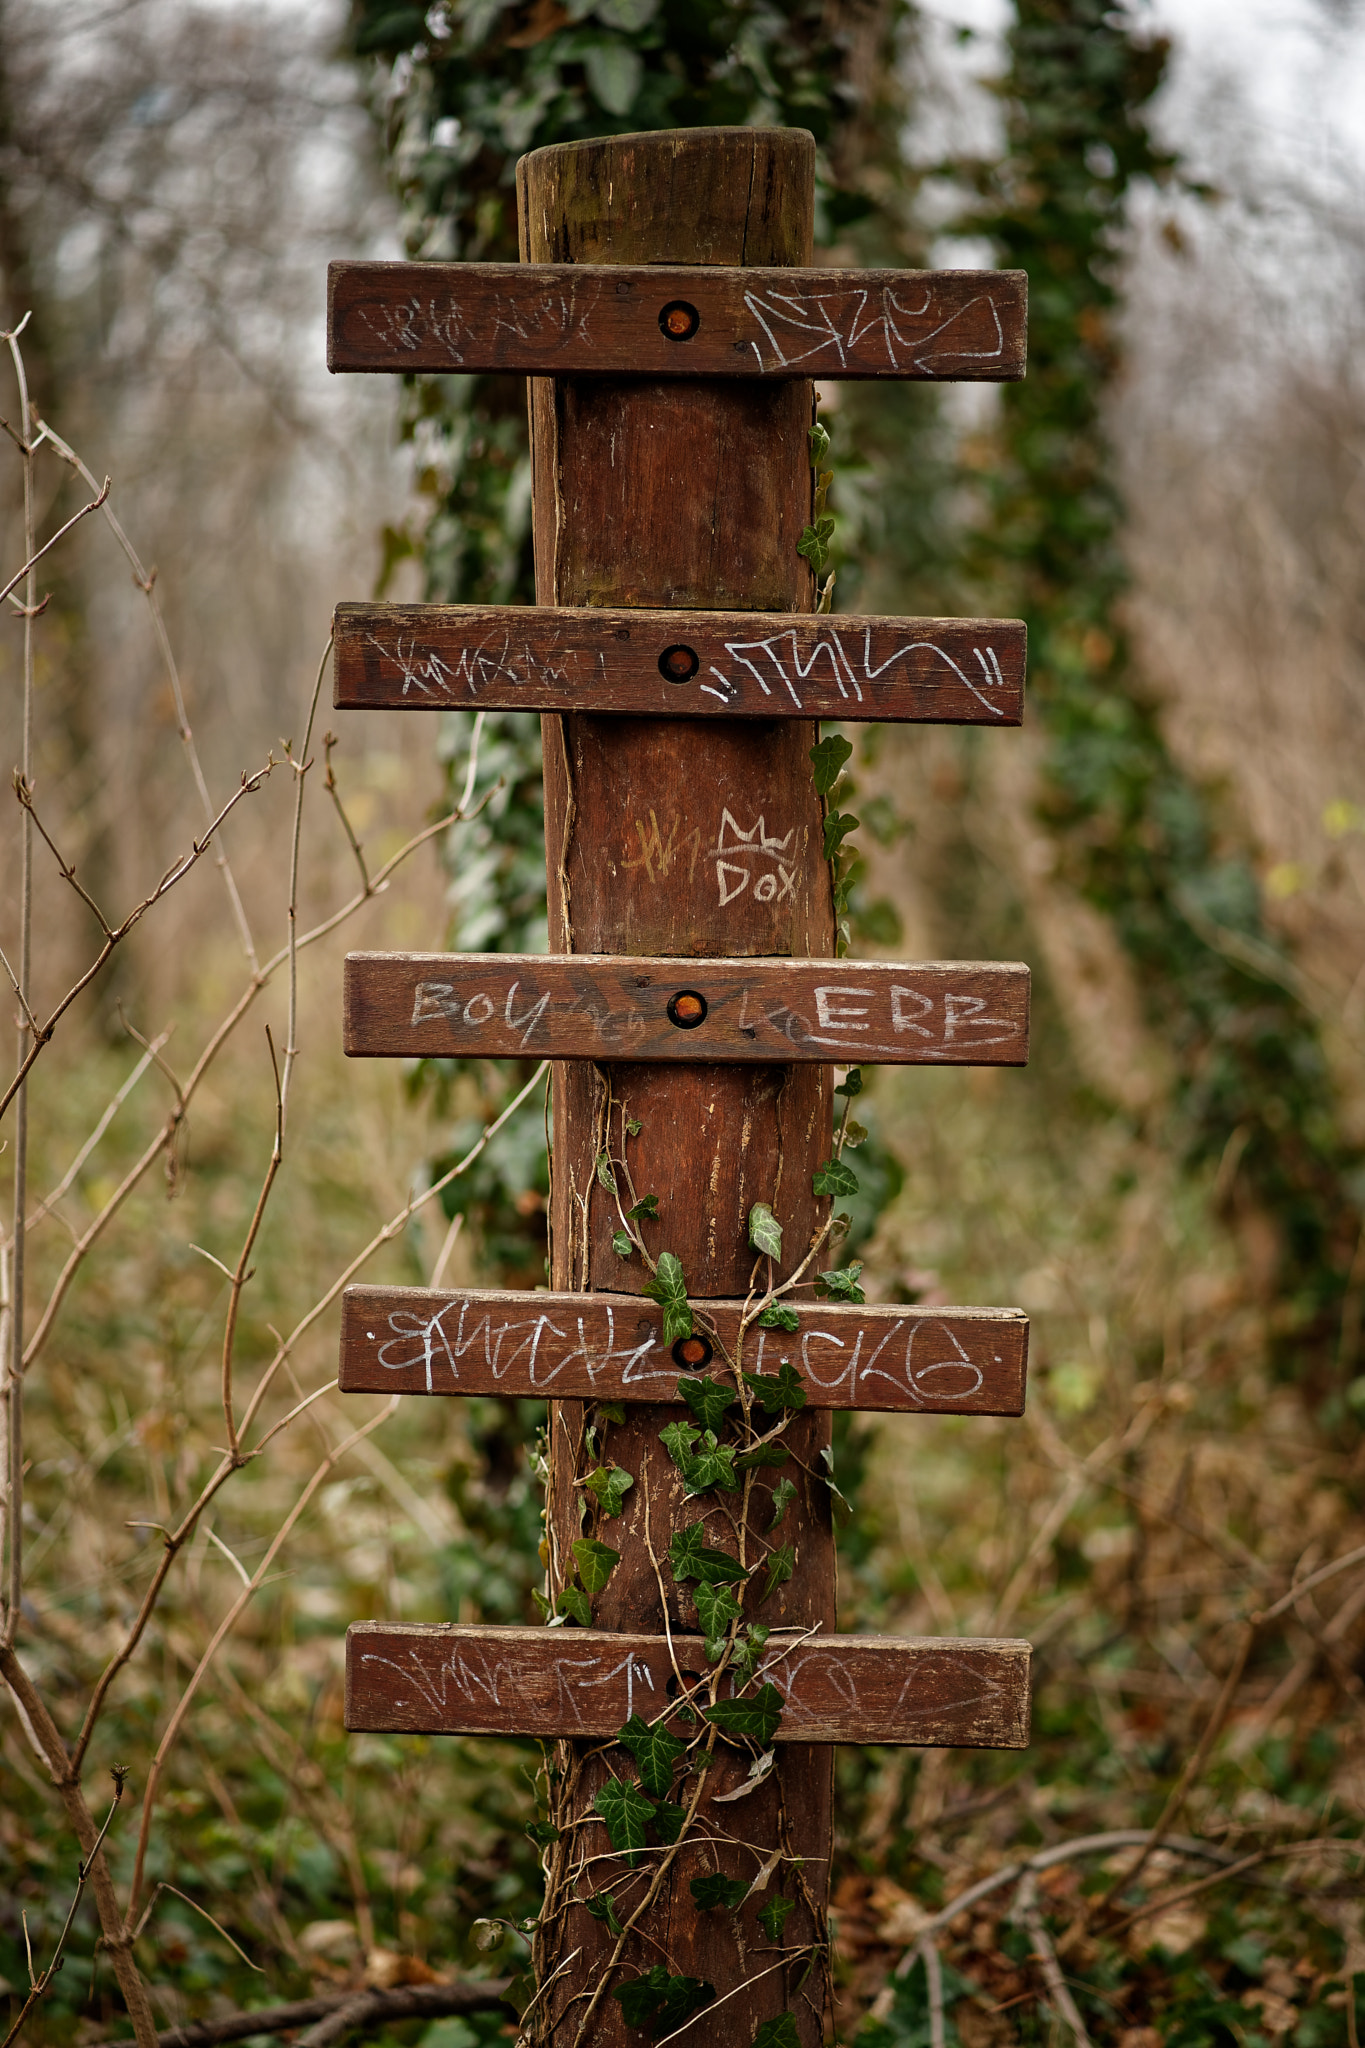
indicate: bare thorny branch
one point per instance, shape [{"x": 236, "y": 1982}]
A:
[
  {"x": 113, "y": 935},
  {"x": 122, "y": 1923}
]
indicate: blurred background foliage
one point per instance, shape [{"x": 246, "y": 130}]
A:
[{"x": 1176, "y": 842}]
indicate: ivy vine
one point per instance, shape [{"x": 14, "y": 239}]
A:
[
  {"x": 1137, "y": 834},
  {"x": 727, "y": 1446}
]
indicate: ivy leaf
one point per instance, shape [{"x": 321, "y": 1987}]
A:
[
  {"x": 762, "y": 1454},
  {"x": 611, "y": 1411},
  {"x": 710, "y": 1464},
  {"x": 784, "y": 1493},
  {"x": 669, "y": 1288},
  {"x": 841, "y": 1282},
  {"x": 815, "y": 540},
  {"x": 655, "y": 1752},
  {"x": 642, "y": 1997},
  {"x": 834, "y": 1178},
  {"x": 749, "y": 1649},
  {"x": 602, "y": 1906},
  {"x": 855, "y": 1134},
  {"x": 777, "y": 1316},
  {"x": 818, "y": 436},
  {"x": 772, "y": 1919},
  {"x": 774, "y": 1391},
  {"x": 596, "y": 1562},
  {"x": 627, "y": 1814},
  {"x": 542, "y": 1832},
  {"x": 852, "y": 1083},
  {"x": 838, "y": 825},
  {"x": 609, "y": 1485},
  {"x": 827, "y": 1460},
  {"x": 717, "y": 1607},
  {"x": 713, "y": 1466},
  {"x": 543, "y": 1608},
  {"x": 622, "y": 1243},
  {"x": 757, "y": 1716},
  {"x": 778, "y": 2032},
  {"x": 715, "y": 1890},
  {"x": 605, "y": 1174},
  {"x": 765, "y": 1232},
  {"x": 682, "y": 1997},
  {"x": 693, "y": 1559},
  {"x": 648, "y": 1205},
  {"x": 574, "y": 1602},
  {"x": 668, "y": 1821},
  {"x": 660, "y": 2002},
  {"x": 634, "y": 1128},
  {"x": 708, "y": 1400},
  {"x": 827, "y": 760},
  {"x": 781, "y": 1565},
  {"x": 678, "y": 1440}
]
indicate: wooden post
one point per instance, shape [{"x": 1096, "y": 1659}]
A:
[
  {"x": 695, "y": 1014},
  {"x": 690, "y": 495}
]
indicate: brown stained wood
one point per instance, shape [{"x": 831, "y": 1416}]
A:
[
  {"x": 659, "y": 493},
  {"x": 678, "y": 664},
  {"x": 940, "y": 1361},
  {"x": 959, "y": 1691},
  {"x": 746, "y": 1134},
  {"x": 606, "y": 1006},
  {"x": 691, "y": 839},
  {"x": 577, "y": 320}
]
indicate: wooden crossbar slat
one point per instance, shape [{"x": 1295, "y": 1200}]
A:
[
  {"x": 412, "y": 1340},
  {"x": 969, "y": 1692},
  {"x": 585, "y": 319},
  {"x": 427, "y": 657},
  {"x": 593, "y": 1006}
]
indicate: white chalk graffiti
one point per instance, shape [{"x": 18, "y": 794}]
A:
[
  {"x": 478, "y": 1680},
  {"x": 735, "y": 849},
  {"x": 558, "y": 316},
  {"x": 834, "y": 323},
  {"x": 811, "y": 673},
  {"x": 533, "y": 1344},
  {"x": 545, "y": 1682},
  {"x": 777, "y": 663},
  {"x": 439, "y": 999},
  {"x": 841, "y": 1013},
  {"x": 867, "y": 1020},
  {"x": 903, "y": 1357},
  {"x": 476, "y": 669}
]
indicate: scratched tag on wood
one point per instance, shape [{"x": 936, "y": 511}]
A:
[
  {"x": 955, "y": 1692},
  {"x": 592, "y": 1006},
  {"x": 942, "y": 1361},
  {"x": 593, "y": 319},
  {"x": 426, "y": 657}
]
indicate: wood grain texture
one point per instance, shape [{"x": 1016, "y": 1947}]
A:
[
  {"x": 678, "y": 664},
  {"x": 583, "y": 319},
  {"x": 603, "y": 1006},
  {"x": 692, "y": 493},
  {"x": 932, "y": 1692},
  {"x": 754, "y": 1128},
  {"x": 940, "y": 1361}
]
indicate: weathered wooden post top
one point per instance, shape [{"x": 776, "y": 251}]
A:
[{"x": 699, "y": 1328}]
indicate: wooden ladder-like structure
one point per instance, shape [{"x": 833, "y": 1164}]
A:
[{"x": 670, "y": 325}]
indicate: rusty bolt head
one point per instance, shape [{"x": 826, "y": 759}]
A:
[
  {"x": 687, "y": 1009},
  {"x": 679, "y": 664},
  {"x": 679, "y": 321}
]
